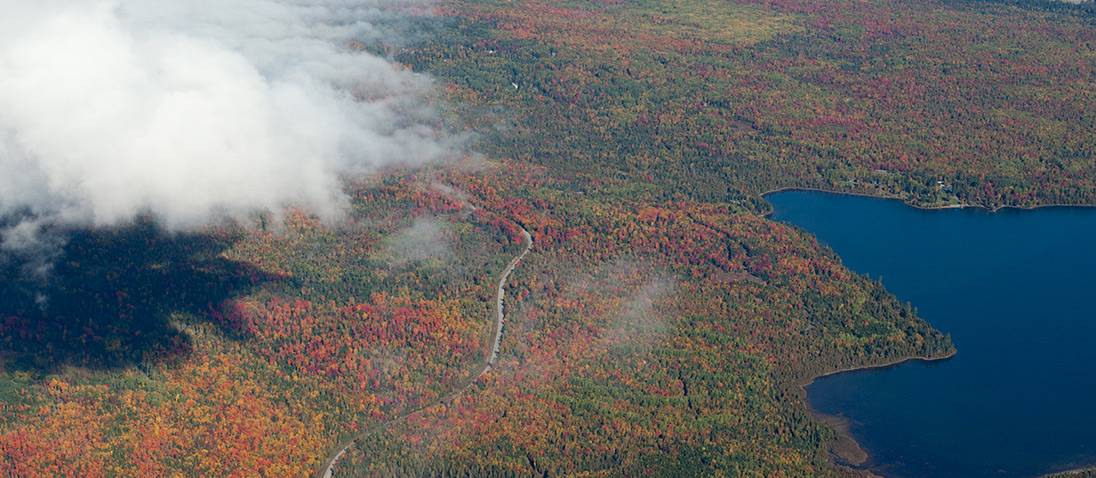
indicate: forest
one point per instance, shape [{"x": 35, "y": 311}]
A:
[
  {"x": 661, "y": 326},
  {"x": 937, "y": 104}
]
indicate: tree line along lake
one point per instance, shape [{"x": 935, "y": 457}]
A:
[{"x": 1016, "y": 289}]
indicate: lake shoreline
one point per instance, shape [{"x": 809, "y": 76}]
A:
[
  {"x": 907, "y": 202},
  {"x": 1084, "y": 472},
  {"x": 845, "y": 451}
]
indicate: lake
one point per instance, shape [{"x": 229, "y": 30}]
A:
[{"x": 1017, "y": 292}]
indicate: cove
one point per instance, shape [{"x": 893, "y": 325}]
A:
[{"x": 1016, "y": 289}]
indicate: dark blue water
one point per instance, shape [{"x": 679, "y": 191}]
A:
[{"x": 1017, "y": 292}]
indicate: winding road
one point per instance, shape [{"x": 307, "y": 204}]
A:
[{"x": 329, "y": 464}]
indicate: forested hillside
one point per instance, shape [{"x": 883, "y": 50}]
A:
[
  {"x": 661, "y": 325},
  {"x": 664, "y": 340},
  {"x": 651, "y": 130},
  {"x": 937, "y": 103}
]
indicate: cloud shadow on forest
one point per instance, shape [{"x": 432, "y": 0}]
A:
[{"x": 109, "y": 295}]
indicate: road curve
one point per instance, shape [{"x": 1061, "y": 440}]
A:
[
  {"x": 500, "y": 319},
  {"x": 328, "y": 468}
]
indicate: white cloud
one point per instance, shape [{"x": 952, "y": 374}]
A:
[
  {"x": 427, "y": 238},
  {"x": 198, "y": 109}
]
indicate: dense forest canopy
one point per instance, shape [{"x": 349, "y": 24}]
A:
[{"x": 661, "y": 325}]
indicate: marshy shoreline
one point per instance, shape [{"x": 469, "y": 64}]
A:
[{"x": 844, "y": 450}]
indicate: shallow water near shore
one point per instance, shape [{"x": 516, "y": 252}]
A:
[{"x": 1017, "y": 292}]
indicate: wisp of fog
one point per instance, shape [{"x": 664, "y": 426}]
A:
[{"x": 196, "y": 110}]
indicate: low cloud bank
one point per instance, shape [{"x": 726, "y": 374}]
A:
[
  {"x": 197, "y": 110},
  {"x": 427, "y": 238}
]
